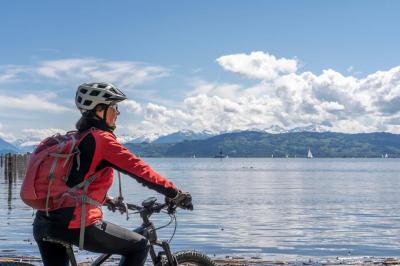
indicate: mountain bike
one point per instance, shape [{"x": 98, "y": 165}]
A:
[{"x": 164, "y": 257}]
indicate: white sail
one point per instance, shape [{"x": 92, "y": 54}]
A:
[
  {"x": 309, "y": 155},
  {"x": 386, "y": 155}
]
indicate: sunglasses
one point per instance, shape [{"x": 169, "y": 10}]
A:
[{"x": 115, "y": 106}]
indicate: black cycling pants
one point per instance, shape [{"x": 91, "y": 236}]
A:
[{"x": 102, "y": 237}]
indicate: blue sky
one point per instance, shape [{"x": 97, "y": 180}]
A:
[{"x": 203, "y": 65}]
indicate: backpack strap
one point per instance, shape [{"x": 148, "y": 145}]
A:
[
  {"x": 85, "y": 199},
  {"x": 51, "y": 174},
  {"x": 71, "y": 150}
]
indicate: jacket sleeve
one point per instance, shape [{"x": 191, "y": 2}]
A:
[{"x": 124, "y": 161}]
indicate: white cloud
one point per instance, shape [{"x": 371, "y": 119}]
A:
[
  {"x": 283, "y": 97},
  {"x": 224, "y": 90},
  {"x": 34, "y": 136},
  {"x": 126, "y": 74},
  {"x": 30, "y": 102},
  {"x": 10, "y": 73},
  {"x": 6, "y": 135},
  {"x": 132, "y": 106},
  {"x": 258, "y": 65}
]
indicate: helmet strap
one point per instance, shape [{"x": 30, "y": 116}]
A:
[{"x": 105, "y": 114}]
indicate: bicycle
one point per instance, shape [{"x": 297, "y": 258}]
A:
[{"x": 164, "y": 257}]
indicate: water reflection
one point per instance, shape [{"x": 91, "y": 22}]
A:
[
  {"x": 325, "y": 207},
  {"x": 12, "y": 167}
]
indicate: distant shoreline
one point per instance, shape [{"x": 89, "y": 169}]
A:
[
  {"x": 236, "y": 260},
  {"x": 238, "y": 157}
]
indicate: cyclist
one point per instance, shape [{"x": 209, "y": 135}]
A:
[{"x": 100, "y": 153}]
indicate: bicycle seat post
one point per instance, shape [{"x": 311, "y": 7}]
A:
[{"x": 68, "y": 248}]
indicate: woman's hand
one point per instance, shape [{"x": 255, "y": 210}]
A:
[
  {"x": 114, "y": 204},
  {"x": 182, "y": 200}
]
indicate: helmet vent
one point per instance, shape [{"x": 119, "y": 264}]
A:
[
  {"x": 94, "y": 93},
  {"x": 87, "y": 102},
  {"x": 90, "y": 95},
  {"x": 114, "y": 91}
]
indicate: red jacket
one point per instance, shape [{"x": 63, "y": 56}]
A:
[{"x": 100, "y": 153}]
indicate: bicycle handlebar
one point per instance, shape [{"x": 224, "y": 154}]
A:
[{"x": 153, "y": 208}]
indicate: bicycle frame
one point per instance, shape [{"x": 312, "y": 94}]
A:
[{"x": 148, "y": 230}]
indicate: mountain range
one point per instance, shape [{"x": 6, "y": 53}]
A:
[
  {"x": 6, "y": 147},
  {"x": 273, "y": 141},
  {"x": 291, "y": 144}
]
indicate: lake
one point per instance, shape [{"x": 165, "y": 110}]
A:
[{"x": 270, "y": 208}]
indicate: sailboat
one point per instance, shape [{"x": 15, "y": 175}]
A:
[
  {"x": 386, "y": 155},
  {"x": 220, "y": 155},
  {"x": 309, "y": 154}
]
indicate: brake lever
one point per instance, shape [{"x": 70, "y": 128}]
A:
[
  {"x": 126, "y": 210},
  {"x": 171, "y": 208}
]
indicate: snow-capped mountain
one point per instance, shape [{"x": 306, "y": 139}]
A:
[
  {"x": 6, "y": 147},
  {"x": 309, "y": 128},
  {"x": 27, "y": 144},
  {"x": 138, "y": 138},
  {"x": 184, "y": 135},
  {"x": 275, "y": 129}
]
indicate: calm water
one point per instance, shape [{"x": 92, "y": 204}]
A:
[{"x": 264, "y": 207}]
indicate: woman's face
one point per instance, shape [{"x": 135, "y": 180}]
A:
[{"x": 111, "y": 116}]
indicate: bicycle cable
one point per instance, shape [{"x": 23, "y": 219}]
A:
[
  {"x": 163, "y": 226},
  {"x": 173, "y": 233}
]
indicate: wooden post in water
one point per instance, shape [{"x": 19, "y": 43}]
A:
[
  {"x": 21, "y": 165},
  {"x": 5, "y": 165},
  {"x": 9, "y": 168},
  {"x": 14, "y": 167},
  {"x": 9, "y": 174}
]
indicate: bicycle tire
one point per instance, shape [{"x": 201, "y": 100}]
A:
[{"x": 192, "y": 257}]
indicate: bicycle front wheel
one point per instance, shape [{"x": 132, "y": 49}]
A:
[
  {"x": 192, "y": 257},
  {"x": 14, "y": 263}
]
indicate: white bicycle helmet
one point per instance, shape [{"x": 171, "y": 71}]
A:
[{"x": 89, "y": 95}]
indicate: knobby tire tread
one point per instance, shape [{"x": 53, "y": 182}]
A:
[
  {"x": 14, "y": 263},
  {"x": 195, "y": 257}
]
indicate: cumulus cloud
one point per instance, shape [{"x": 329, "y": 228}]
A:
[
  {"x": 283, "y": 97},
  {"x": 224, "y": 90},
  {"x": 258, "y": 65},
  {"x": 132, "y": 106}
]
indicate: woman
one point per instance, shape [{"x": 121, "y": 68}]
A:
[{"x": 100, "y": 153}]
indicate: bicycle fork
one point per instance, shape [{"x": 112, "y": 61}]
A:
[{"x": 158, "y": 259}]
